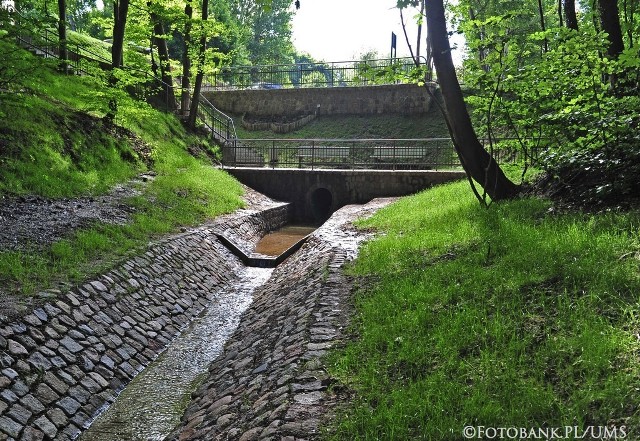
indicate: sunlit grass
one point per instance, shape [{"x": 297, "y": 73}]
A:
[
  {"x": 50, "y": 148},
  {"x": 500, "y": 317}
]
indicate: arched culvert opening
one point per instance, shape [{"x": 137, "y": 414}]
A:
[{"x": 321, "y": 203}]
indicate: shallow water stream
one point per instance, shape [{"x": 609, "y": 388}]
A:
[
  {"x": 277, "y": 242},
  {"x": 152, "y": 404}
]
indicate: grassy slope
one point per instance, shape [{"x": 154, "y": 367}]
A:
[
  {"x": 430, "y": 125},
  {"x": 51, "y": 148},
  {"x": 511, "y": 316}
]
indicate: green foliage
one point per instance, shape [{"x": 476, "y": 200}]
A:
[
  {"x": 504, "y": 317},
  {"x": 554, "y": 94}
]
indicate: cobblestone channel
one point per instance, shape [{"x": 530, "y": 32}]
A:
[
  {"x": 69, "y": 357},
  {"x": 270, "y": 383}
]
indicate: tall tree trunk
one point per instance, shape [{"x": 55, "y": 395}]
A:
[
  {"x": 195, "y": 100},
  {"x": 570, "y": 18},
  {"x": 62, "y": 34},
  {"x": 186, "y": 60},
  {"x": 610, "y": 23},
  {"x": 542, "y": 25},
  {"x": 560, "y": 13},
  {"x": 419, "y": 38},
  {"x": 120, "y": 10},
  {"x": 477, "y": 162},
  {"x": 628, "y": 20},
  {"x": 165, "y": 65}
]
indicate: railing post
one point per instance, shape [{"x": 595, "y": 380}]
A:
[
  {"x": 272, "y": 159},
  {"x": 394, "y": 154},
  {"x": 353, "y": 153},
  {"x": 313, "y": 153}
]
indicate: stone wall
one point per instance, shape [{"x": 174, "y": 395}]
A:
[
  {"x": 366, "y": 100},
  {"x": 69, "y": 357}
]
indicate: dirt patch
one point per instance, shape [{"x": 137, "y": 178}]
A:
[{"x": 36, "y": 221}]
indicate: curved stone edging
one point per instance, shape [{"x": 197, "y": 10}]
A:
[
  {"x": 270, "y": 383},
  {"x": 64, "y": 361},
  {"x": 278, "y": 127}
]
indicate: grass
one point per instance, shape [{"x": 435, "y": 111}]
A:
[
  {"x": 430, "y": 125},
  {"x": 57, "y": 145},
  {"x": 503, "y": 317}
]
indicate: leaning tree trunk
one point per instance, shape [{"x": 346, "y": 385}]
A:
[
  {"x": 477, "y": 162},
  {"x": 195, "y": 100}
]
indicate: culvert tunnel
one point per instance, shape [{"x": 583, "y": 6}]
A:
[{"x": 321, "y": 203}]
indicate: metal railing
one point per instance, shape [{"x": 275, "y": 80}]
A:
[
  {"x": 330, "y": 74},
  {"x": 366, "y": 154},
  {"x": 219, "y": 124},
  {"x": 370, "y": 154}
]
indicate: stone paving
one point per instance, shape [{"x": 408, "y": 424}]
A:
[
  {"x": 67, "y": 358},
  {"x": 270, "y": 383}
]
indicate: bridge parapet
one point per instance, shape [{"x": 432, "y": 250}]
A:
[
  {"x": 377, "y": 154},
  {"x": 315, "y": 194}
]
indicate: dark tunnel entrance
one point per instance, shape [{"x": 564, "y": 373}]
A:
[{"x": 321, "y": 202}]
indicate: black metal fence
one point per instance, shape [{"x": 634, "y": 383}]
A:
[
  {"x": 380, "y": 154},
  {"x": 371, "y": 154},
  {"x": 331, "y": 74}
]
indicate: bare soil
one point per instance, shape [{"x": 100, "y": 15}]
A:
[{"x": 28, "y": 221}]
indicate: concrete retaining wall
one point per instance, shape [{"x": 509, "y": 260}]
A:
[
  {"x": 61, "y": 363},
  {"x": 404, "y": 99},
  {"x": 298, "y": 186}
]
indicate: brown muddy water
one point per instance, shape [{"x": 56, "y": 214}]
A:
[{"x": 277, "y": 242}]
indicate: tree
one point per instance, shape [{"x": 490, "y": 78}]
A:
[
  {"x": 570, "y": 18},
  {"x": 62, "y": 33},
  {"x": 186, "y": 60},
  {"x": 417, "y": 55},
  {"x": 476, "y": 161},
  {"x": 195, "y": 100},
  {"x": 267, "y": 27},
  {"x": 160, "y": 40},
  {"x": 120, "y": 10}
]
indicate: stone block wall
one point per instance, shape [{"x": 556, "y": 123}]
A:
[
  {"x": 64, "y": 361},
  {"x": 404, "y": 99}
]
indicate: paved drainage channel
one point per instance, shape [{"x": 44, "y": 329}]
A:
[{"x": 151, "y": 405}]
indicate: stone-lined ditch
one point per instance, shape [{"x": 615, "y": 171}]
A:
[{"x": 67, "y": 359}]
